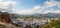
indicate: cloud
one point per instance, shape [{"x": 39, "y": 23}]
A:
[
  {"x": 1, "y": 0},
  {"x": 6, "y": 5},
  {"x": 50, "y": 4},
  {"x": 56, "y": 11},
  {"x": 58, "y": 4},
  {"x": 37, "y": 9},
  {"x": 48, "y": 7},
  {"x": 24, "y": 12}
]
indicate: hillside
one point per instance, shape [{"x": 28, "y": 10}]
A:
[{"x": 7, "y": 25}]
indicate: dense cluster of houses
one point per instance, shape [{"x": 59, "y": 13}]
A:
[
  {"x": 31, "y": 23},
  {"x": 4, "y": 17}
]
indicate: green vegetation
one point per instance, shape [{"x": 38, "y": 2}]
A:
[{"x": 55, "y": 24}]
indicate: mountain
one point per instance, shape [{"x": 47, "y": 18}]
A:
[{"x": 48, "y": 15}]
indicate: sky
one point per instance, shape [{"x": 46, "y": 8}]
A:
[{"x": 30, "y": 6}]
